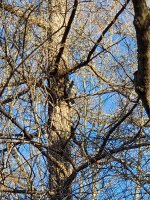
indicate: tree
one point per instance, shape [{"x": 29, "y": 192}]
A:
[
  {"x": 72, "y": 125},
  {"x": 142, "y": 24}
]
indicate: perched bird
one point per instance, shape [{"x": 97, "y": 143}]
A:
[{"x": 70, "y": 91}]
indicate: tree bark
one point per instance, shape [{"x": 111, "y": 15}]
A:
[
  {"x": 59, "y": 111},
  {"x": 142, "y": 27}
]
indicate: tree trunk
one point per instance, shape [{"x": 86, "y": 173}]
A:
[
  {"x": 59, "y": 167},
  {"x": 59, "y": 124},
  {"x": 142, "y": 27}
]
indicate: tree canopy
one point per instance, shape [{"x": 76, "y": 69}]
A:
[{"x": 75, "y": 99}]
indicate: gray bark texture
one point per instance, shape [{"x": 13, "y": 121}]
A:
[
  {"x": 59, "y": 111},
  {"x": 142, "y": 76}
]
